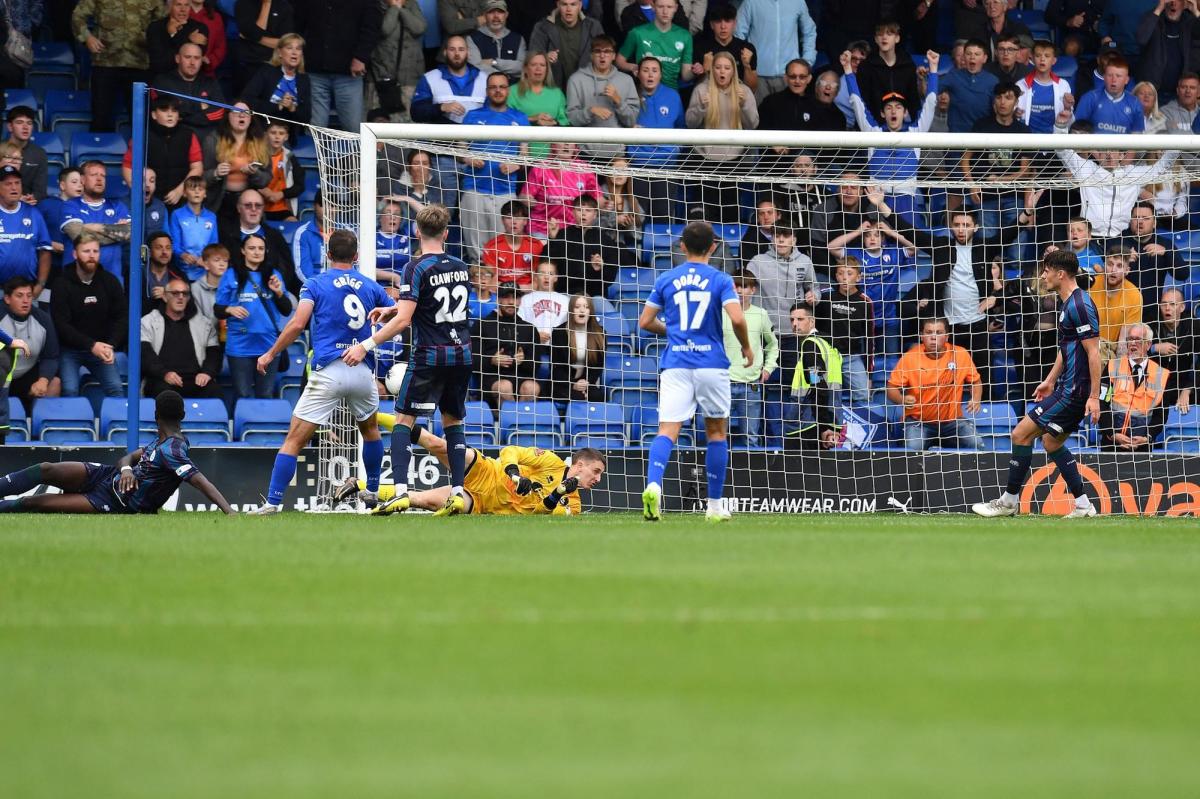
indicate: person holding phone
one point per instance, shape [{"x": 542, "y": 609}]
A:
[{"x": 234, "y": 155}]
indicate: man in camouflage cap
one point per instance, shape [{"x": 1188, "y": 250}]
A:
[{"x": 117, "y": 42}]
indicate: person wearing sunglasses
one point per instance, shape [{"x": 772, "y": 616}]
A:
[{"x": 180, "y": 351}]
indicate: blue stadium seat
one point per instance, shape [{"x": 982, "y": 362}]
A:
[
  {"x": 205, "y": 420},
  {"x": 63, "y": 108},
  {"x": 108, "y": 148},
  {"x": 56, "y": 151},
  {"x": 595, "y": 419},
  {"x": 312, "y": 182},
  {"x": 261, "y": 421},
  {"x": 64, "y": 419},
  {"x": 42, "y": 82},
  {"x": 657, "y": 239},
  {"x": 530, "y": 424},
  {"x": 480, "y": 425},
  {"x": 305, "y": 152},
  {"x": 1183, "y": 446},
  {"x": 288, "y": 229},
  {"x": 602, "y": 305},
  {"x": 114, "y": 419},
  {"x": 52, "y": 58},
  {"x": 600, "y": 441},
  {"x": 732, "y": 236},
  {"x": 293, "y": 378},
  {"x": 1067, "y": 68},
  {"x": 16, "y": 97},
  {"x": 18, "y": 424},
  {"x": 1182, "y": 426},
  {"x": 630, "y": 371},
  {"x": 634, "y": 282}
]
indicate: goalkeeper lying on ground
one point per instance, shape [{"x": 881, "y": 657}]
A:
[{"x": 521, "y": 481}]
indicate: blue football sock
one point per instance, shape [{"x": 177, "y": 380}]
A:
[
  {"x": 373, "y": 462},
  {"x": 401, "y": 455},
  {"x": 1018, "y": 467},
  {"x": 660, "y": 456},
  {"x": 22, "y": 481},
  {"x": 716, "y": 462},
  {"x": 456, "y": 453},
  {"x": 10, "y": 505},
  {"x": 1064, "y": 459},
  {"x": 281, "y": 475}
]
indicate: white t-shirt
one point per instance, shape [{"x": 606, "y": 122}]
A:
[
  {"x": 962, "y": 293},
  {"x": 545, "y": 310}
]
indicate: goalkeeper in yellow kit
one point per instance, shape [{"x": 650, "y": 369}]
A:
[{"x": 520, "y": 481}]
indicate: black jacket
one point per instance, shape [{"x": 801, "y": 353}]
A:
[
  {"x": 1152, "y": 36},
  {"x": 258, "y": 90},
  {"x": 280, "y": 20},
  {"x": 562, "y": 369},
  {"x": 191, "y": 114},
  {"x": 497, "y": 334},
  {"x": 85, "y": 314},
  {"x": 335, "y": 33},
  {"x": 167, "y": 153},
  {"x": 941, "y": 249},
  {"x": 875, "y": 79},
  {"x": 161, "y": 46},
  {"x": 572, "y": 250},
  {"x": 1149, "y": 272},
  {"x": 279, "y": 254},
  {"x": 785, "y": 110}
]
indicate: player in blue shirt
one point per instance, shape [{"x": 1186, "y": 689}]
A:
[
  {"x": 433, "y": 301},
  {"x": 24, "y": 240},
  {"x": 141, "y": 482},
  {"x": 108, "y": 219},
  {"x": 1069, "y": 393},
  {"x": 1109, "y": 108},
  {"x": 338, "y": 302},
  {"x": 695, "y": 369}
]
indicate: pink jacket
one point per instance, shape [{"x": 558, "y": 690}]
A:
[{"x": 553, "y": 190}]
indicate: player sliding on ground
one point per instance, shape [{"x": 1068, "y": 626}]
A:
[
  {"x": 695, "y": 370},
  {"x": 1070, "y": 392},
  {"x": 521, "y": 481},
  {"x": 141, "y": 482},
  {"x": 433, "y": 299},
  {"x": 338, "y": 301}
]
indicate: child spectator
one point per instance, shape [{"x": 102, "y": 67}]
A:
[
  {"x": 1008, "y": 65},
  {"x": 586, "y": 254},
  {"x": 393, "y": 245},
  {"x": 1118, "y": 302},
  {"x": 890, "y": 71},
  {"x": 481, "y": 300},
  {"x": 553, "y": 189},
  {"x": 1079, "y": 237},
  {"x": 214, "y": 259},
  {"x": 287, "y": 176},
  {"x": 746, "y": 383},
  {"x": 1110, "y": 108},
  {"x": 308, "y": 242},
  {"x": 881, "y": 265},
  {"x": 846, "y": 316},
  {"x": 894, "y": 167},
  {"x": 784, "y": 274},
  {"x": 577, "y": 351},
  {"x": 544, "y": 307},
  {"x": 969, "y": 89},
  {"x": 34, "y": 164},
  {"x": 70, "y": 186},
  {"x": 512, "y": 254},
  {"x": 661, "y": 38},
  {"x": 172, "y": 151},
  {"x": 193, "y": 228},
  {"x": 1044, "y": 95}
]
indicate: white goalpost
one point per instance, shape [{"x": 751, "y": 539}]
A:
[{"x": 941, "y": 338}]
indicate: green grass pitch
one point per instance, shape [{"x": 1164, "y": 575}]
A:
[{"x": 330, "y": 656}]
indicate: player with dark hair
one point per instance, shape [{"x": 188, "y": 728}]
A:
[
  {"x": 140, "y": 482},
  {"x": 1069, "y": 393},
  {"x": 434, "y": 293},
  {"x": 518, "y": 481},
  {"x": 692, "y": 299},
  {"x": 338, "y": 302}
]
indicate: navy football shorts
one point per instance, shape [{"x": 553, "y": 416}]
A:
[
  {"x": 1058, "y": 413},
  {"x": 428, "y": 387},
  {"x": 101, "y": 488}
]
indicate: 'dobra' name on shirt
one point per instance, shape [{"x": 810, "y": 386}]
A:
[{"x": 690, "y": 279}]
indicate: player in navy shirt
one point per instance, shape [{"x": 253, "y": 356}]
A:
[
  {"x": 26, "y": 245},
  {"x": 141, "y": 482},
  {"x": 695, "y": 369},
  {"x": 434, "y": 291},
  {"x": 339, "y": 302},
  {"x": 1069, "y": 393}
]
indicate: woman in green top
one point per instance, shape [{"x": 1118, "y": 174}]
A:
[{"x": 538, "y": 98}]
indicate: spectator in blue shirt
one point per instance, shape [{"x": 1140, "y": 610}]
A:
[
  {"x": 70, "y": 186},
  {"x": 308, "y": 243},
  {"x": 1110, "y": 108},
  {"x": 662, "y": 108},
  {"x": 156, "y": 216},
  {"x": 969, "y": 89},
  {"x": 252, "y": 300},
  {"x": 488, "y": 183},
  {"x": 108, "y": 220},
  {"x": 781, "y": 30},
  {"x": 193, "y": 227},
  {"x": 26, "y": 241}
]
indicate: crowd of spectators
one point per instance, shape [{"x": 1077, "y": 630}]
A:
[{"x": 897, "y": 286}]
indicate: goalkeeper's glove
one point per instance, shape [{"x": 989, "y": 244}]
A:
[
  {"x": 522, "y": 484},
  {"x": 552, "y": 500}
]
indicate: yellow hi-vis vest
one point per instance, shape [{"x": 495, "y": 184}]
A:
[
  {"x": 1133, "y": 400},
  {"x": 833, "y": 365}
]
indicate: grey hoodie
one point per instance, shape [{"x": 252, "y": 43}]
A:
[
  {"x": 781, "y": 282},
  {"x": 585, "y": 89}
]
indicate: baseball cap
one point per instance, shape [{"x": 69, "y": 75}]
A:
[
  {"x": 507, "y": 287},
  {"x": 495, "y": 5},
  {"x": 7, "y": 171}
]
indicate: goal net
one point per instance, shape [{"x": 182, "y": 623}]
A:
[{"x": 913, "y": 257}]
